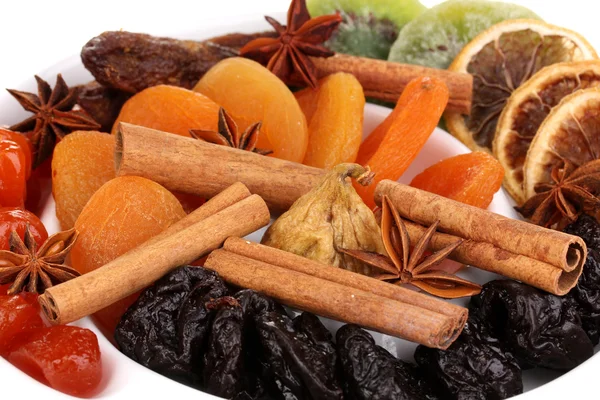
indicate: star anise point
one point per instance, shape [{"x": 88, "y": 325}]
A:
[
  {"x": 298, "y": 40},
  {"x": 401, "y": 266}
]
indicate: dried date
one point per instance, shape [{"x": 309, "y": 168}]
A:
[
  {"x": 102, "y": 103},
  {"x": 132, "y": 62}
]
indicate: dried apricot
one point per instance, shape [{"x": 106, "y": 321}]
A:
[
  {"x": 413, "y": 120},
  {"x": 66, "y": 358},
  {"x": 19, "y": 314},
  {"x": 251, "y": 93},
  {"x": 170, "y": 109},
  {"x": 335, "y": 124},
  {"x": 82, "y": 162},
  {"x": 122, "y": 214},
  {"x": 470, "y": 178}
]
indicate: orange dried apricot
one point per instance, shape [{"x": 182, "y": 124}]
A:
[
  {"x": 83, "y": 161},
  {"x": 470, "y": 178},
  {"x": 336, "y": 121},
  {"x": 122, "y": 214},
  {"x": 170, "y": 109},
  {"x": 251, "y": 93},
  {"x": 418, "y": 111}
]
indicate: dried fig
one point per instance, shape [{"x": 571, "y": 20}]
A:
[{"x": 331, "y": 216}]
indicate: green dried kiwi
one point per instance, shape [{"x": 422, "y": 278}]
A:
[
  {"x": 369, "y": 27},
  {"x": 435, "y": 37},
  {"x": 331, "y": 216}
]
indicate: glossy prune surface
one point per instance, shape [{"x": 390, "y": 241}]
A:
[
  {"x": 370, "y": 372},
  {"x": 538, "y": 328},
  {"x": 475, "y": 367},
  {"x": 167, "y": 327}
]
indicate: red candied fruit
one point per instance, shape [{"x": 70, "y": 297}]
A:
[
  {"x": 67, "y": 358},
  {"x": 19, "y": 315},
  {"x": 16, "y": 219}
]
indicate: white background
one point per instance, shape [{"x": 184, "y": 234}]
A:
[
  {"x": 35, "y": 34},
  {"x": 38, "y": 33}
]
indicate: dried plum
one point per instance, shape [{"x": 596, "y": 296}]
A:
[
  {"x": 538, "y": 328},
  {"x": 167, "y": 328},
  {"x": 587, "y": 228},
  {"x": 586, "y": 296},
  {"x": 223, "y": 360},
  {"x": 293, "y": 365},
  {"x": 370, "y": 372},
  {"x": 475, "y": 367}
]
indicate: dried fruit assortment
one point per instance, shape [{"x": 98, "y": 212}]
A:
[{"x": 178, "y": 149}]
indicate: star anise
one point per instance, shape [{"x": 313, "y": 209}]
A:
[
  {"x": 35, "y": 270},
  {"x": 55, "y": 115},
  {"x": 571, "y": 192},
  {"x": 229, "y": 134},
  {"x": 297, "y": 41},
  {"x": 403, "y": 266}
]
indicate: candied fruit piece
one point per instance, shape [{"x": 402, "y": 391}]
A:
[
  {"x": 122, "y": 214},
  {"x": 251, "y": 93},
  {"x": 470, "y": 178},
  {"x": 16, "y": 219},
  {"x": 18, "y": 315},
  {"x": 82, "y": 162},
  {"x": 66, "y": 358}
]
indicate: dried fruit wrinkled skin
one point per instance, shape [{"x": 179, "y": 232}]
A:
[
  {"x": 330, "y": 216},
  {"x": 371, "y": 373},
  {"x": 188, "y": 327},
  {"x": 102, "y": 103},
  {"x": 132, "y": 62},
  {"x": 586, "y": 295},
  {"x": 475, "y": 367},
  {"x": 538, "y": 328}
]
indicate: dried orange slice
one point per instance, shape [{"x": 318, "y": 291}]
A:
[
  {"x": 527, "y": 108},
  {"x": 570, "y": 132},
  {"x": 501, "y": 59}
]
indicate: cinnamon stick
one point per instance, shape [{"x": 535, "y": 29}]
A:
[
  {"x": 204, "y": 169},
  {"x": 335, "y": 301},
  {"x": 287, "y": 260},
  {"x": 385, "y": 80},
  {"x": 148, "y": 262},
  {"x": 488, "y": 257}
]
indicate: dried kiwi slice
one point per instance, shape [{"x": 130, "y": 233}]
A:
[
  {"x": 369, "y": 27},
  {"x": 436, "y": 36},
  {"x": 501, "y": 59},
  {"x": 527, "y": 108},
  {"x": 570, "y": 132}
]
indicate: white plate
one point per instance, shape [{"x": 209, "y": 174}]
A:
[{"x": 125, "y": 379}]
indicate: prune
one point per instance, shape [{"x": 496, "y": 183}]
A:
[
  {"x": 293, "y": 366},
  {"x": 475, "y": 367},
  {"x": 167, "y": 328},
  {"x": 587, "y": 228},
  {"x": 132, "y": 62},
  {"x": 538, "y": 328},
  {"x": 223, "y": 360},
  {"x": 586, "y": 296},
  {"x": 370, "y": 372}
]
